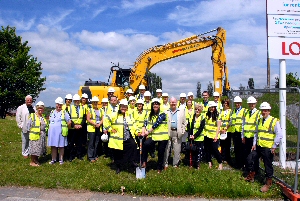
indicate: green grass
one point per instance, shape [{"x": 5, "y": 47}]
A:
[{"x": 100, "y": 176}]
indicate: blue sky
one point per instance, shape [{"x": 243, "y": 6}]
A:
[{"x": 78, "y": 40}]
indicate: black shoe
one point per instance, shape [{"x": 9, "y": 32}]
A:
[
  {"x": 152, "y": 155},
  {"x": 118, "y": 170}
]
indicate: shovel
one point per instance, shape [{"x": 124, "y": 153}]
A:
[{"x": 140, "y": 172}]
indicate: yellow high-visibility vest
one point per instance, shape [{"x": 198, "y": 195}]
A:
[
  {"x": 210, "y": 128},
  {"x": 76, "y": 119},
  {"x": 64, "y": 124},
  {"x": 161, "y": 132},
  {"x": 91, "y": 127},
  {"x": 116, "y": 122},
  {"x": 250, "y": 123},
  {"x": 164, "y": 107},
  {"x": 197, "y": 124},
  {"x": 189, "y": 116},
  {"x": 266, "y": 132},
  {"x": 35, "y": 130},
  {"x": 225, "y": 119},
  {"x": 139, "y": 119},
  {"x": 237, "y": 120}
]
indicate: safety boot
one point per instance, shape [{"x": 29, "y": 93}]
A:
[
  {"x": 250, "y": 177},
  {"x": 267, "y": 186}
]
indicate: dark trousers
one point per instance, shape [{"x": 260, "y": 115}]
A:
[
  {"x": 127, "y": 155},
  {"x": 148, "y": 145},
  {"x": 75, "y": 143},
  {"x": 238, "y": 149},
  {"x": 194, "y": 154},
  {"x": 225, "y": 148},
  {"x": 94, "y": 138},
  {"x": 211, "y": 147},
  {"x": 267, "y": 156}
]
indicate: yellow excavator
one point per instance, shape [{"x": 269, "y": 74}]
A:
[{"x": 123, "y": 79}]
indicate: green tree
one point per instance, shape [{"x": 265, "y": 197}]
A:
[
  {"x": 210, "y": 89},
  {"x": 198, "y": 95},
  {"x": 154, "y": 82},
  {"x": 20, "y": 73},
  {"x": 292, "y": 80}
]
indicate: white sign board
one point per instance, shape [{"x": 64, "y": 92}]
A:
[
  {"x": 284, "y": 25},
  {"x": 284, "y": 48},
  {"x": 283, "y": 7}
]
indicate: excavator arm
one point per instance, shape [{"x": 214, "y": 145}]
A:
[{"x": 147, "y": 59}]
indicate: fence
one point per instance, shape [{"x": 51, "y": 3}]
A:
[{"x": 286, "y": 170}]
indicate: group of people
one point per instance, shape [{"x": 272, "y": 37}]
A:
[{"x": 122, "y": 129}]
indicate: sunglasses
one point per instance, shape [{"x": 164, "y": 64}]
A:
[{"x": 155, "y": 103}]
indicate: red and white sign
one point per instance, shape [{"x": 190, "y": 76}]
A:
[
  {"x": 283, "y": 7},
  {"x": 284, "y": 48}
]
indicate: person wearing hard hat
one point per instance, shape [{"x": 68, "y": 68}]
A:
[
  {"x": 156, "y": 130},
  {"x": 147, "y": 101},
  {"x": 205, "y": 96},
  {"x": 103, "y": 145},
  {"x": 267, "y": 137},
  {"x": 86, "y": 107},
  {"x": 110, "y": 92},
  {"x": 226, "y": 131},
  {"x": 190, "y": 96},
  {"x": 217, "y": 100},
  {"x": 189, "y": 113},
  {"x": 129, "y": 93},
  {"x": 22, "y": 114},
  {"x": 159, "y": 94},
  {"x": 139, "y": 115},
  {"x": 112, "y": 106},
  {"x": 75, "y": 136},
  {"x": 122, "y": 130},
  {"x": 195, "y": 140},
  {"x": 176, "y": 129},
  {"x": 59, "y": 121},
  {"x": 68, "y": 101},
  {"x": 142, "y": 90},
  {"x": 236, "y": 121},
  {"x": 212, "y": 135},
  {"x": 182, "y": 101},
  {"x": 94, "y": 129},
  {"x": 165, "y": 105},
  {"x": 248, "y": 128},
  {"x": 37, "y": 125},
  {"x": 132, "y": 105}
]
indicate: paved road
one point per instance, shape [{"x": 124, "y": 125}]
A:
[{"x": 38, "y": 194}]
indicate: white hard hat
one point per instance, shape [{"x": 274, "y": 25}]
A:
[
  {"x": 140, "y": 101},
  {"x": 190, "y": 94},
  {"x": 59, "y": 100},
  {"x": 155, "y": 100},
  {"x": 40, "y": 103},
  {"x": 251, "y": 99},
  {"x": 129, "y": 91},
  {"x": 165, "y": 95},
  {"x": 131, "y": 98},
  {"x": 212, "y": 104},
  {"x": 104, "y": 137},
  {"x": 142, "y": 86},
  {"x": 216, "y": 93},
  {"x": 123, "y": 102},
  {"x": 265, "y": 106},
  {"x": 111, "y": 90},
  {"x": 95, "y": 99},
  {"x": 158, "y": 90},
  {"x": 182, "y": 95},
  {"x": 84, "y": 95},
  {"x": 68, "y": 96},
  {"x": 104, "y": 100},
  {"x": 147, "y": 93},
  {"x": 237, "y": 99},
  {"x": 76, "y": 97}
]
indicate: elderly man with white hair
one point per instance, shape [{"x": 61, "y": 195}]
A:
[{"x": 22, "y": 117}]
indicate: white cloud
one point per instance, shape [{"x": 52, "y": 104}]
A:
[
  {"x": 131, "y": 6},
  {"x": 215, "y": 11},
  {"x": 55, "y": 19}
]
